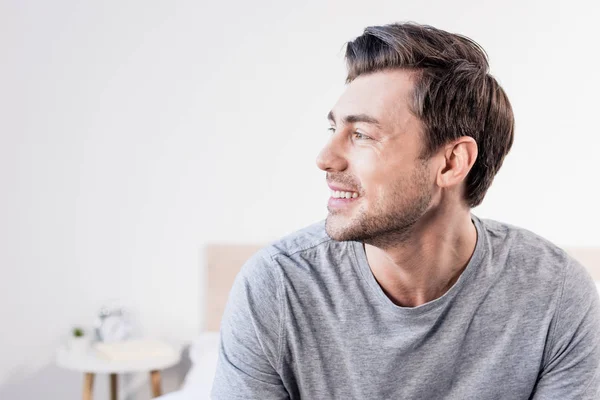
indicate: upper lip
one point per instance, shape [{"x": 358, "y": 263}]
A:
[{"x": 339, "y": 189}]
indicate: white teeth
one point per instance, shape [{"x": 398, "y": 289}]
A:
[{"x": 343, "y": 195}]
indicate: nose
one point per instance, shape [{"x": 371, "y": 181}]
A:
[{"x": 331, "y": 157}]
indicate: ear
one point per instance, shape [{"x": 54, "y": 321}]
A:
[{"x": 459, "y": 157}]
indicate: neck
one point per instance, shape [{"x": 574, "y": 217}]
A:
[{"x": 426, "y": 263}]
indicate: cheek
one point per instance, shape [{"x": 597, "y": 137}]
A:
[
  {"x": 367, "y": 170},
  {"x": 379, "y": 173},
  {"x": 374, "y": 177}
]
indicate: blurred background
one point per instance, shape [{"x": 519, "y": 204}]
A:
[{"x": 133, "y": 133}]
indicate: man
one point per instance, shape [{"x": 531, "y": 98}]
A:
[{"x": 403, "y": 293}]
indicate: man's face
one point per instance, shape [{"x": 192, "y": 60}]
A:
[{"x": 374, "y": 152}]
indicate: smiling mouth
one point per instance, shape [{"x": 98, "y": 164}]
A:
[
  {"x": 341, "y": 199},
  {"x": 338, "y": 194}
]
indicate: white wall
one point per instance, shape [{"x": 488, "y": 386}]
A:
[{"x": 132, "y": 133}]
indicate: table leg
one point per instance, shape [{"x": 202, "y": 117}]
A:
[
  {"x": 113, "y": 386},
  {"x": 155, "y": 380},
  {"x": 88, "y": 386}
]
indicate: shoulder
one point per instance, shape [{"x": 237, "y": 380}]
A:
[
  {"x": 534, "y": 263},
  {"x": 306, "y": 242},
  {"x": 520, "y": 248},
  {"x": 309, "y": 237}
]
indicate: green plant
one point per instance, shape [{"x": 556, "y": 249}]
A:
[{"x": 78, "y": 332}]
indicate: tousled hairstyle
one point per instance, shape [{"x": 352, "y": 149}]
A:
[{"x": 454, "y": 95}]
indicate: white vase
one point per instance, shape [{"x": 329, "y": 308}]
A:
[{"x": 79, "y": 345}]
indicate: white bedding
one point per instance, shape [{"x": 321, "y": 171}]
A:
[{"x": 198, "y": 382}]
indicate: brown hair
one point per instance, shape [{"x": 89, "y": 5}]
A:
[{"x": 454, "y": 95}]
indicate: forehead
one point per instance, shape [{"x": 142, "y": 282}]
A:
[{"x": 383, "y": 95}]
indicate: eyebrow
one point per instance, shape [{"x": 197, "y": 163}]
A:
[{"x": 350, "y": 119}]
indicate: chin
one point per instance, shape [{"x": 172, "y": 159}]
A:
[
  {"x": 341, "y": 228},
  {"x": 380, "y": 230}
]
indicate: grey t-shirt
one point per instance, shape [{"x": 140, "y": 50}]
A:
[{"x": 306, "y": 319}]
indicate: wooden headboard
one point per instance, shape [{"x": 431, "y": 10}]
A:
[{"x": 223, "y": 262}]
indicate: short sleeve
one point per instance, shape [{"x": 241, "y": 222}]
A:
[
  {"x": 249, "y": 350},
  {"x": 571, "y": 367}
]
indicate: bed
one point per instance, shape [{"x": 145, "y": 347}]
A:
[{"x": 222, "y": 263}]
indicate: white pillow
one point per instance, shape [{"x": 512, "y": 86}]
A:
[{"x": 204, "y": 353}]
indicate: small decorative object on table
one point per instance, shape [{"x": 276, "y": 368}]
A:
[
  {"x": 79, "y": 342},
  {"x": 113, "y": 324}
]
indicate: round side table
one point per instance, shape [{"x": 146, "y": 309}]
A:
[{"x": 90, "y": 364}]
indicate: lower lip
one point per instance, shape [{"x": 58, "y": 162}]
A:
[{"x": 334, "y": 202}]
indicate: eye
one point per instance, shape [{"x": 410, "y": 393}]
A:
[
  {"x": 357, "y": 134},
  {"x": 361, "y": 136}
]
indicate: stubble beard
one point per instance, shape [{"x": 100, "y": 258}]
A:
[{"x": 390, "y": 220}]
